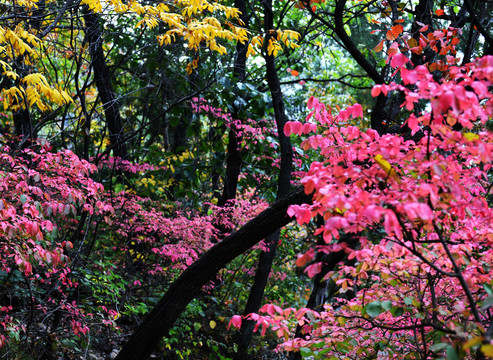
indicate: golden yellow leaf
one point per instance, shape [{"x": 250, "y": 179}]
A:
[
  {"x": 469, "y": 136},
  {"x": 385, "y": 166},
  {"x": 472, "y": 342},
  {"x": 487, "y": 350}
]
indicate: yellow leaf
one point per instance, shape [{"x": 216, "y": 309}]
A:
[
  {"x": 472, "y": 342},
  {"x": 487, "y": 350},
  {"x": 212, "y": 324},
  {"x": 469, "y": 136},
  {"x": 385, "y": 165}
]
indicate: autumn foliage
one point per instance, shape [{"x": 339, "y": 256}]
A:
[{"x": 419, "y": 283}]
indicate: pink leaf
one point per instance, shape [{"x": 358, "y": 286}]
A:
[
  {"x": 312, "y": 101},
  {"x": 399, "y": 60},
  {"x": 313, "y": 269},
  {"x": 292, "y": 127},
  {"x": 235, "y": 321}
]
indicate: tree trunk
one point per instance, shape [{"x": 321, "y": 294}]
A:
[
  {"x": 160, "y": 320},
  {"x": 103, "y": 84},
  {"x": 233, "y": 157},
  {"x": 321, "y": 291},
  {"x": 423, "y": 15},
  {"x": 284, "y": 182}
]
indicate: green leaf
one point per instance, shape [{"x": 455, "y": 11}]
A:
[
  {"x": 387, "y": 305},
  {"x": 374, "y": 308},
  {"x": 438, "y": 346},
  {"x": 451, "y": 353},
  {"x": 488, "y": 289},
  {"x": 197, "y": 326},
  {"x": 487, "y": 303},
  {"x": 305, "y": 352},
  {"x": 119, "y": 187},
  {"x": 347, "y": 29},
  {"x": 397, "y": 311},
  {"x": 23, "y": 198},
  {"x": 54, "y": 233}
]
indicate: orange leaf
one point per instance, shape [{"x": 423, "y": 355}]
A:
[
  {"x": 379, "y": 47},
  {"x": 393, "y": 49},
  {"x": 433, "y": 67},
  {"x": 390, "y": 36},
  {"x": 412, "y": 42},
  {"x": 439, "y": 12},
  {"x": 314, "y": 8},
  {"x": 399, "y": 21},
  {"x": 396, "y": 30},
  {"x": 294, "y": 73}
]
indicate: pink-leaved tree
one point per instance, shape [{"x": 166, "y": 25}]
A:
[{"x": 419, "y": 284}]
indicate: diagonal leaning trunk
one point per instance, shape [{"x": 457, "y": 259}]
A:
[{"x": 160, "y": 320}]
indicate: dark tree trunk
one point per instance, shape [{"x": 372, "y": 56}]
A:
[
  {"x": 351, "y": 47},
  {"x": 160, "y": 320},
  {"x": 423, "y": 15},
  {"x": 321, "y": 291},
  {"x": 284, "y": 182},
  {"x": 103, "y": 84},
  {"x": 379, "y": 116},
  {"x": 480, "y": 14},
  {"x": 233, "y": 157},
  {"x": 23, "y": 126},
  {"x": 256, "y": 295}
]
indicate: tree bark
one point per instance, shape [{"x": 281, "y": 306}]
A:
[
  {"x": 103, "y": 84},
  {"x": 423, "y": 15},
  {"x": 233, "y": 157},
  {"x": 351, "y": 46},
  {"x": 321, "y": 291},
  {"x": 266, "y": 258},
  {"x": 160, "y": 320}
]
